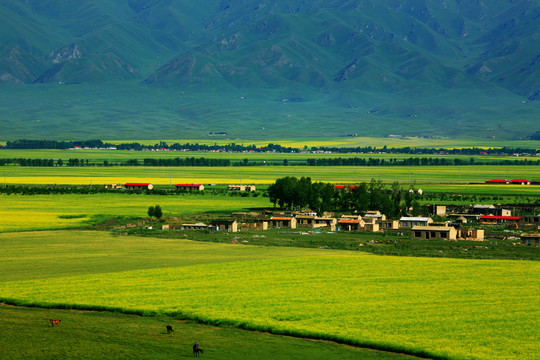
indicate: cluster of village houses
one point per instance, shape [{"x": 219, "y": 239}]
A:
[
  {"x": 371, "y": 221},
  {"x": 374, "y": 221}
]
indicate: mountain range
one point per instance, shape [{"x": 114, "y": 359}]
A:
[{"x": 258, "y": 68}]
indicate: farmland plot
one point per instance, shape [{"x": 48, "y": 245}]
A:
[{"x": 450, "y": 308}]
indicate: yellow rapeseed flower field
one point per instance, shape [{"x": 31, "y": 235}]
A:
[{"x": 451, "y": 308}]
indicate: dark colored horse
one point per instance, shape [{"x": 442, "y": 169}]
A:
[
  {"x": 169, "y": 329},
  {"x": 197, "y": 351}
]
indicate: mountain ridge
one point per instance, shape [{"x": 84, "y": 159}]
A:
[{"x": 377, "y": 59}]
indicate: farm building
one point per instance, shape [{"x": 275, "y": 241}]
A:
[
  {"x": 255, "y": 224},
  {"x": 316, "y": 222},
  {"x": 530, "y": 239},
  {"x": 497, "y": 182},
  {"x": 471, "y": 234},
  {"x": 467, "y": 217},
  {"x": 342, "y": 188},
  {"x": 374, "y": 227},
  {"x": 351, "y": 224},
  {"x": 139, "y": 186},
  {"x": 351, "y": 217},
  {"x": 491, "y": 219},
  {"x": 439, "y": 210},
  {"x": 490, "y": 210},
  {"x": 241, "y": 188},
  {"x": 409, "y": 222},
  {"x": 520, "y": 182},
  {"x": 511, "y": 182},
  {"x": 190, "y": 187},
  {"x": 434, "y": 232},
  {"x": 114, "y": 186},
  {"x": 197, "y": 226},
  {"x": 225, "y": 225},
  {"x": 373, "y": 216},
  {"x": 281, "y": 222},
  {"x": 532, "y": 219},
  {"x": 389, "y": 224}
]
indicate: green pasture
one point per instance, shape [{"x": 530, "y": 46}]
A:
[
  {"x": 267, "y": 174},
  {"x": 104, "y": 335},
  {"x": 449, "y": 308},
  {"x": 113, "y": 156},
  {"x": 37, "y": 212}
]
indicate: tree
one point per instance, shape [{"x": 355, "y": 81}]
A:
[{"x": 155, "y": 211}]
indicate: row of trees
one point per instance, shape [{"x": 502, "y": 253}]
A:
[
  {"x": 52, "y": 144},
  {"x": 201, "y": 161},
  {"x": 292, "y": 193}
]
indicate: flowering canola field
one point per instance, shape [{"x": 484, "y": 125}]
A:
[{"x": 450, "y": 308}]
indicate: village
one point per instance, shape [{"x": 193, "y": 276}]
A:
[{"x": 478, "y": 222}]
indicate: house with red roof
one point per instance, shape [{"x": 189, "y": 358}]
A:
[
  {"x": 190, "y": 187},
  {"x": 139, "y": 186},
  {"x": 493, "y": 219},
  {"x": 282, "y": 222}
]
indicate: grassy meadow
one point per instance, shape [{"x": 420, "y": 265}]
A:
[
  {"x": 104, "y": 335},
  {"x": 447, "y": 308},
  {"x": 38, "y": 212}
]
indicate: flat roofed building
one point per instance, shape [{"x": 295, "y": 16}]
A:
[
  {"x": 351, "y": 217},
  {"x": 520, "y": 182},
  {"x": 197, "y": 226},
  {"x": 374, "y": 216},
  {"x": 532, "y": 239},
  {"x": 351, "y": 224},
  {"x": 499, "y": 219},
  {"x": 189, "y": 187},
  {"x": 532, "y": 219},
  {"x": 434, "y": 232},
  {"x": 389, "y": 224},
  {"x": 472, "y": 234},
  {"x": 373, "y": 227},
  {"x": 139, "y": 186},
  {"x": 410, "y": 221},
  {"x": 282, "y": 222},
  {"x": 255, "y": 224},
  {"x": 225, "y": 225},
  {"x": 241, "y": 187}
]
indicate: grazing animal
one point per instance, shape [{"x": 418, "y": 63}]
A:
[
  {"x": 55, "y": 322},
  {"x": 169, "y": 329},
  {"x": 197, "y": 350}
]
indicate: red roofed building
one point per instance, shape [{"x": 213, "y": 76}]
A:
[
  {"x": 139, "y": 186},
  {"x": 279, "y": 222},
  {"x": 497, "y": 181},
  {"x": 351, "y": 224},
  {"x": 190, "y": 187},
  {"x": 344, "y": 188},
  {"x": 520, "y": 182},
  {"x": 499, "y": 219}
]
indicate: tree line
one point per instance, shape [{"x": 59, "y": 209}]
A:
[
  {"x": 207, "y": 162},
  {"x": 292, "y": 193},
  {"x": 233, "y": 147}
]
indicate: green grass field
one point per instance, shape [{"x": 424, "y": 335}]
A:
[
  {"x": 26, "y": 334},
  {"x": 38, "y": 212},
  {"x": 450, "y": 308}
]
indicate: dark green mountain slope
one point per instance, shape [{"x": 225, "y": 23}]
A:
[{"x": 270, "y": 68}]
